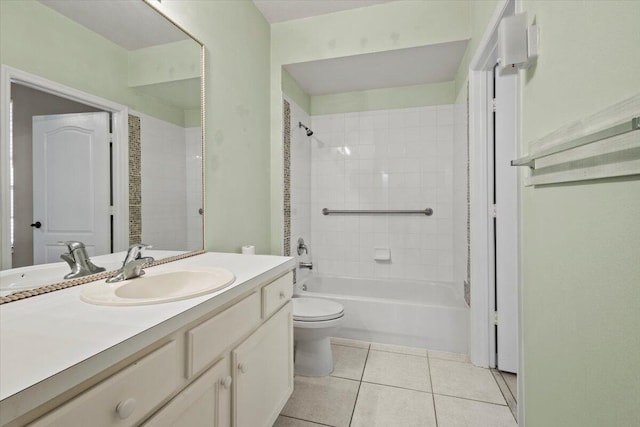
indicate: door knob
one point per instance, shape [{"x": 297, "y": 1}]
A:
[
  {"x": 37, "y": 224},
  {"x": 242, "y": 367}
]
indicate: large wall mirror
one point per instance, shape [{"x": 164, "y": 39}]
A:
[{"x": 101, "y": 130}]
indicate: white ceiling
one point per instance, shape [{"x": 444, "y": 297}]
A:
[
  {"x": 132, "y": 27},
  {"x": 402, "y": 67},
  {"x": 286, "y": 10}
]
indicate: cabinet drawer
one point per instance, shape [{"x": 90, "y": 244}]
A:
[
  {"x": 126, "y": 397},
  {"x": 207, "y": 341},
  {"x": 276, "y": 294}
]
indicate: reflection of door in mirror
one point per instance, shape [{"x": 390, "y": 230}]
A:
[
  {"x": 28, "y": 103},
  {"x": 71, "y": 184}
]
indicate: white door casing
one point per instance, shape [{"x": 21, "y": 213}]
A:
[
  {"x": 480, "y": 136},
  {"x": 71, "y": 183},
  {"x": 506, "y": 226}
]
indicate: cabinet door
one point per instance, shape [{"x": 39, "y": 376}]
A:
[
  {"x": 263, "y": 372},
  {"x": 206, "y": 402}
]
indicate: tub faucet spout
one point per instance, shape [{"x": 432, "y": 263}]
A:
[{"x": 308, "y": 265}]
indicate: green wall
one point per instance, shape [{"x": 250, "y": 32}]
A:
[
  {"x": 394, "y": 25},
  {"x": 292, "y": 89},
  {"x": 63, "y": 51},
  {"x": 382, "y": 99},
  {"x": 480, "y": 12},
  {"x": 237, "y": 193},
  {"x": 581, "y": 241}
]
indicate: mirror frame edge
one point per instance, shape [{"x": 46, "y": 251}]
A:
[{"x": 155, "y": 5}]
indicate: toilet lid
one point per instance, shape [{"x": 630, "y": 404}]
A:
[{"x": 316, "y": 309}]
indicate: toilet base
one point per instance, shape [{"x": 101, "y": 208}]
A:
[{"x": 313, "y": 358}]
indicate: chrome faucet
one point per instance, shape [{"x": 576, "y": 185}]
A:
[
  {"x": 308, "y": 265},
  {"x": 133, "y": 263},
  {"x": 79, "y": 261}
]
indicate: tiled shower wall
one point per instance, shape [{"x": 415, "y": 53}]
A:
[
  {"x": 300, "y": 173},
  {"x": 171, "y": 185},
  {"x": 193, "y": 147},
  {"x": 387, "y": 159}
]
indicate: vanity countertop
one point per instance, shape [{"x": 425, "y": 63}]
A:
[{"x": 52, "y": 342}]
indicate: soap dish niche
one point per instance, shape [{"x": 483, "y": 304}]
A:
[{"x": 382, "y": 254}]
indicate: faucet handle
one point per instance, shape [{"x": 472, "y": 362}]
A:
[
  {"x": 135, "y": 251},
  {"x": 72, "y": 245}
]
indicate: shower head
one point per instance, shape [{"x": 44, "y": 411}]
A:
[{"x": 309, "y": 131}]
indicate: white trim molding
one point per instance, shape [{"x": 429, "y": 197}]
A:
[
  {"x": 120, "y": 115},
  {"x": 481, "y": 158}
]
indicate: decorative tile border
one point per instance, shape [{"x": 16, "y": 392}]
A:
[
  {"x": 135, "y": 181},
  {"x": 287, "y": 178},
  {"x": 467, "y": 283},
  {"x": 86, "y": 279}
]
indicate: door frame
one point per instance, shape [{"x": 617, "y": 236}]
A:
[
  {"x": 120, "y": 138},
  {"x": 482, "y": 332}
]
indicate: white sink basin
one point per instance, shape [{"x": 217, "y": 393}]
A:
[{"x": 157, "y": 287}]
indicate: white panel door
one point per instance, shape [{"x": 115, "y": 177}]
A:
[
  {"x": 71, "y": 183},
  {"x": 506, "y": 193}
]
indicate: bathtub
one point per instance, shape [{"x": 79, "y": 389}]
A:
[{"x": 418, "y": 314}]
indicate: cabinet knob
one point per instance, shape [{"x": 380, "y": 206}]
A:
[
  {"x": 226, "y": 382},
  {"x": 126, "y": 408},
  {"x": 242, "y": 367},
  {"x": 282, "y": 295}
]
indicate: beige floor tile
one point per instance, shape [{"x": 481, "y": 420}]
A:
[
  {"x": 400, "y": 370},
  {"x": 348, "y": 362},
  {"x": 458, "y": 357},
  {"x": 325, "y": 400},
  {"x": 454, "y": 412},
  {"x": 383, "y": 406},
  {"x": 464, "y": 380},
  {"x": 392, "y": 348},
  {"x": 294, "y": 422},
  {"x": 350, "y": 343}
]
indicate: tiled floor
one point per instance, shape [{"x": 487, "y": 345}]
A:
[{"x": 385, "y": 385}]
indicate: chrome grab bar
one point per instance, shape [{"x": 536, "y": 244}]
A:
[{"x": 427, "y": 212}]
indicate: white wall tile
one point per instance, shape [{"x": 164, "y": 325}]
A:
[{"x": 397, "y": 159}]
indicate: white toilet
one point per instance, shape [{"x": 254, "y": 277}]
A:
[{"x": 314, "y": 321}]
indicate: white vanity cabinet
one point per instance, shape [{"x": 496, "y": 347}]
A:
[
  {"x": 232, "y": 368},
  {"x": 263, "y": 372},
  {"x": 206, "y": 402},
  {"x": 124, "y": 398}
]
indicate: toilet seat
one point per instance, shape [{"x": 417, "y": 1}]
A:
[{"x": 316, "y": 310}]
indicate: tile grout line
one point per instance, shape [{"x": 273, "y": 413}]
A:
[
  {"x": 397, "y": 386},
  {"x": 308, "y": 421},
  {"x": 433, "y": 396},
  {"x": 472, "y": 400},
  {"x": 353, "y": 411}
]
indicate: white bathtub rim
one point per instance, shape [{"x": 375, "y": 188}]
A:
[{"x": 448, "y": 285}]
